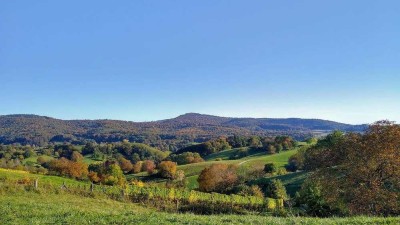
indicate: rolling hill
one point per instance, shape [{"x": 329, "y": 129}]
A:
[
  {"x": 166, "y": 134},
  {"x": 22, "y": 205}
]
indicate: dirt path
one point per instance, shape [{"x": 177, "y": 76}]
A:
[{"x": 243, "y": 162}]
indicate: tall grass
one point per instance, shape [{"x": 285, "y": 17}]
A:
[{"x": 37, "y": 208}]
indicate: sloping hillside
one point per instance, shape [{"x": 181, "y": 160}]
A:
[{"x": 179, "y": 131}]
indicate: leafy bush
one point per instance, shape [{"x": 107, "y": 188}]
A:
[
  {"x": 311, "y": 201},
  {"x": 167, "y": 169},
  {"x": 137, "y": 167},
  {"x": 208, "y": 147},
  {"x": 218, "y": 178},
  {"x": 65, "y": 167},
  {"x": 252, "y": 190},
  {"x": 186, "y": 158},
  {"x": 270, "y": 168},
  {"x": 125, "y": 164},
  {"x": 240, "y": 153},
  {"x": 148, "y": 166},
  {"x": 109, "y": 173},
  {"x": 276, "y": 189}
]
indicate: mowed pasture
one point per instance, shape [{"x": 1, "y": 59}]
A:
[{"x": 256, "y": 160}]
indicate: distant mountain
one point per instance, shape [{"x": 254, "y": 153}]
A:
[{"x": 165, "y": 134}]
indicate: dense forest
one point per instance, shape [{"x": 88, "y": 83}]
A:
[{"x": 167, "y": 135}]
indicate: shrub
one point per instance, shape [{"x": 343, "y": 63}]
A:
[
  {"x": 76, "y": 156},
  {"x": 41, "y": 170},
  {"x": 281, "y": 171},
  {"x": 65, "y": 167},
  {"x": 167, "y": 169},
  {"x": 29, "y": 153},
  {"x": 271, "y": 149},
  {"x": 240, "y": 153},
  {"x": 312, "y": 202},
  {"x": 270, "y": 168},
  {"x": 186, "y": 158},
  {"x": 93, "y": 177},
  {"x": 41, "y": 160},
  {"x": 208, "y": 147},
  {"x": 180, "y": 178},
  {"x": 253, "y": 190},
  {"x": 125, "y": 164},
  {"x": 149, "y": 166},
  {"x": 276, "y": 189},
  {"x": 108, "y": 172},
  {"x": 278, "y": 147},
  {"x": 218, "y": 178},
  {"x": 137, "y": 167},
  {"x": 296, "y": 161}
]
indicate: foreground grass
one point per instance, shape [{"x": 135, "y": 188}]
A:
[
  {"x": 18, "y": 206},
  {"x": 35, "y": 208}
]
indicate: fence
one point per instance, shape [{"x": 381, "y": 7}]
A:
[{"x": 167, "y": 198}]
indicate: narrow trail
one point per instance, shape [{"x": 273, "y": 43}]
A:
[{"x": 243, "y": 162}]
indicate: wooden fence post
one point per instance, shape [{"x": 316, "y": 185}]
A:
[
  {"x": 63, "y": 185},
  {"x": 122, "y": 194},
  {"x": 36, "y": 184}
]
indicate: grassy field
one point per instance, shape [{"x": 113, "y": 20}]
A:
[
  {"x": 6, "y": 174},
  {"x": 258, "y": 159},
  {"x": 87, "y": 159},
  {"x": 33, "y": 159},
  {"x": 254, "y": 160},
  {"x": 34, "y": 208},
  {"x": 18, "y": 206}
]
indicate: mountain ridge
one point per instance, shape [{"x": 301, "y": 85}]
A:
[
  {"x": 185, "y": 115},
  {"x": 178, "y": 131}
]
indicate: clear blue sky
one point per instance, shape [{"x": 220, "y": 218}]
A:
[{"x": 148, "y": 60}]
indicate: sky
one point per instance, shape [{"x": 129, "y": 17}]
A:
[{"x": 149, "y": 60}]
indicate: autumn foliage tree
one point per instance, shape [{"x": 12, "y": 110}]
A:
[
  {"x": 76, "y": 156},
  {"x": 65, "y": 167},
  {"x": 125, "y": 164},
  {"x": 149, "y": 166},
  {"x": 360, "y": 173},
  {"x": 218, "y": 178},
  {"x": 137, "y": 167},
  {"x": 109, "y": 173},
  {"x": 186, "y": 158},
  {"x": 167, "y": 169}
]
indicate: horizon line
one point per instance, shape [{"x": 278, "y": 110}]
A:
[{"x": 157, "y": 120}]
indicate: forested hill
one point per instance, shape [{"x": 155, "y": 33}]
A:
[{"x": 165, "y": 134}]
